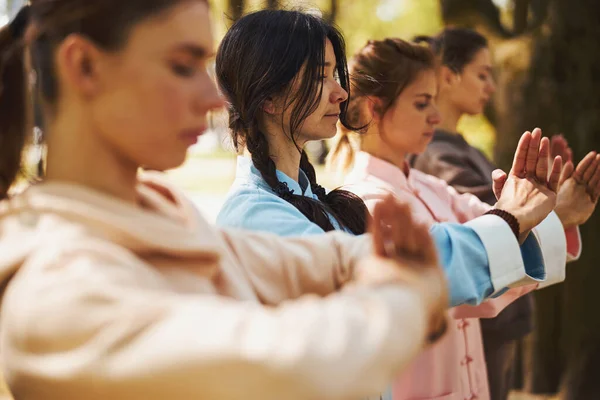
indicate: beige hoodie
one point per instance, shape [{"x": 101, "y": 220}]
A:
[{"x": 105, "y": 300}]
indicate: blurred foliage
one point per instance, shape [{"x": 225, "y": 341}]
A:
[{"x": 360, "y": 20}]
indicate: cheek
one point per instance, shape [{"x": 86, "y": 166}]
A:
[{"x": 170, "y": 102}]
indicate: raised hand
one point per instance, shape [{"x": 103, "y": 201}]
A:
[
  {"x": 404, "y": 252},
  {"x": 579, "y": 191},
  {"x": 529, "y": 190}
]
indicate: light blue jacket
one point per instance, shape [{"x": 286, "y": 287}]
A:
[{"x": 476, "y": 262}]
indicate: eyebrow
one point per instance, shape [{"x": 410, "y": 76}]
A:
[
  {"x": 488, "y": 68},
  {"x": 195, "y": 50}
]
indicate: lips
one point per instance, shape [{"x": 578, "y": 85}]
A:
[{"x": 191, "y": 136}]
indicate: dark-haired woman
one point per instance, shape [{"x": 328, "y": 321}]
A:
[{"x": 465, "y": 87}]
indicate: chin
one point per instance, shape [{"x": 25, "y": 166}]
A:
[
  {"x": 167, "y": 163},
  {"x": 324, "y": 134},
  {"x": 476, "y": 110}
]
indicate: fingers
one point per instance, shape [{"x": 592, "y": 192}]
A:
[
  {"x": 587, "y": 175},
  {"x": 499, "y": 177},
  {"x": 554, "y": 178},
  {"x": 520, "y": 159},
  {"x": 567, "y": 172},
  {"x": 569, "y": 155},
  {"x": 541, "y": 168},
  {"x": 533, "y": 152},
  {"x": 583, "y": 166},
  {"x": 396, "y": 234}
]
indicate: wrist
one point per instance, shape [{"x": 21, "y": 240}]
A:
[
  {"x": 563, "y": 214},
  {"x": 510, "y": 219}
]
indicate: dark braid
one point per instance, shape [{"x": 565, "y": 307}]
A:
[
  {"x": 348, "y": 209},
  {"x": 315, "y": 211},
  {"x": 258, "y": 147}
]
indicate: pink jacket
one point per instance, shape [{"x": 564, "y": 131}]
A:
[{"x": 454, "y": 369}]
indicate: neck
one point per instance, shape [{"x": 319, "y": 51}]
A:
[
  {"x": 450, "y": 115},
  {"x": 374, "y": 144},
  {"x": 284, "y": 152},
  {"x": 77, "y": 155}
]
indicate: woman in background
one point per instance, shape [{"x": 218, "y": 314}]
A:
[{"x": 465, "y": 87}]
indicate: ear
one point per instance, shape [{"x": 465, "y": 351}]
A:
[
  {"x": 448, "y": 77},
  {"x": 373, "y": 107},
  {"x": 269, "y": 106},
  {"x": 80, "y": 64}
]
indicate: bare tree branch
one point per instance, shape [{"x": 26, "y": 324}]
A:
[
  {"x": 331, "y": 16},
  {"x": 470, "y": 13},
  {"x": 235, "y": 9}
]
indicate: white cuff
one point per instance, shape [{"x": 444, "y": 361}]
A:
[
  {"x": 551, "y": 238},
  {"x": 507, "y": 268}
]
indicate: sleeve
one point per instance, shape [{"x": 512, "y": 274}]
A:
[
  {"x": 115, "y": 338},
  {"x": 455, "y": 170},
  {"x": 557, "y": 248},
  {"x": 286, "y": 268},
  {"x": 480, "y": 258},
  {"x": 509, "y": 265}
]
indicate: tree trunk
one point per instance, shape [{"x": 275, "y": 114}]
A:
[
  {"x": 235, "y": 9},
  {"x": 550, "y": 77},
  {"x": 333, "y": 11}
]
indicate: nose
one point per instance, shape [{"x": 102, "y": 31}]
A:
[
  {"x": 434, "y": 118},
  {"x": 491, "y": 86},
  {"x": 339, "y": 95},
  {"x": 207, "y": 97}
]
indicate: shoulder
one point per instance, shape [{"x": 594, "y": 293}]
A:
[
  {"x": 426, "y": 180},
  {"x": 253, "y": 207}
]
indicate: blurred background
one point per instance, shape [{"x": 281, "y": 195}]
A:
[{"x": 547, "y": 66}]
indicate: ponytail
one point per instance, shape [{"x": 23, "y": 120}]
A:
[
  {"x": 341, "y": 155},
  {"x": 13, "y": 99}
]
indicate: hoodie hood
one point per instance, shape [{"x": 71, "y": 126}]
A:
[{"x": 163, "y": 223}]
